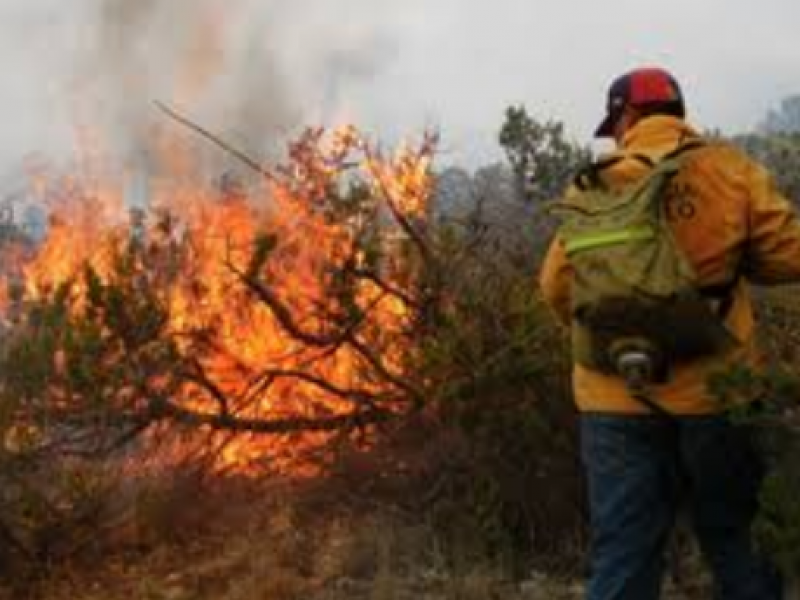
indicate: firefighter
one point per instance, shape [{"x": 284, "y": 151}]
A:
[{"x": 736, "y": 230}]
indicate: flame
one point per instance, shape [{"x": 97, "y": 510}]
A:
[{"x": 201, "y": 236}]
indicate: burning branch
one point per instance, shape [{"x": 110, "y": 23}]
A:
[
  {"x": 216, "y": 140},
  {"x": 194, "y": 316},
  {"x": 163, "y": 409},
  {"x": 346, "y": 336},
  {"x": 409, "y": 166}
]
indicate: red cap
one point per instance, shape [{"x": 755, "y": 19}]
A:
[{"x": 640, "y": 87}]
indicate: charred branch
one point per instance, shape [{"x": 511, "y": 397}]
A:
[
  {"x": 356, "y": 396},
  {"x": 216, "y": 140},
  {"x": 382, "y": 370},
  {"x": 385, "y": 286},
  {"x": 198, "y": 375},
  {"x": 348, "y": 336},
  {"x": 284, "y": 315},
  {"x": 161, "y": 409}
]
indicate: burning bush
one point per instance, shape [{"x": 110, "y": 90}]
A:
[
  {"x": 318, "y": 322},
  {"x": 288, "y": 313}
]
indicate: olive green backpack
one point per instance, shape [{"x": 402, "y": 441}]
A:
[{"x": 634, "y": 292}]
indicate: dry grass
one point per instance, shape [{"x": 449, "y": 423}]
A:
[{"x": 281, "y": 556}]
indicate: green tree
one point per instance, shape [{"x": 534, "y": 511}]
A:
[
  {"x": 541, "y": 156},
  {"x": 780, "y": 153},
  {"x": 783, "y": 119}
]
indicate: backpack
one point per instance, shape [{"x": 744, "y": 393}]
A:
[{"x": 635, "y": 295}]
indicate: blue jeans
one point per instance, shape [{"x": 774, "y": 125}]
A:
[{"x": 640, "y": 469}]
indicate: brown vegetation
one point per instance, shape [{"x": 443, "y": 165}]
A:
[{"x": 355, "y": 395}]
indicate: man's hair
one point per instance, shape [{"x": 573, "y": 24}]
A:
[{"x": 672, "y": 109}]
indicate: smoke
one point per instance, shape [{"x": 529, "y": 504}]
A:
[
  {"x": 254, "y": 71},
  {"x": 198, "y": 56}
]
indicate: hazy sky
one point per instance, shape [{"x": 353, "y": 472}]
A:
[{"x": 257, "y": 68}]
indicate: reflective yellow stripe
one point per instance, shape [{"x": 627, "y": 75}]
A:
[{"x": 608, "y": 238}]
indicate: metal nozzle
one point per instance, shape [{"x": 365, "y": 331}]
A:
[
  {"x": 636, "y": 366},
  {"x": 637, "y": 361}
]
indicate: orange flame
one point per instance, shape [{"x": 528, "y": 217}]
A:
[{"x": 211, "y": 238}]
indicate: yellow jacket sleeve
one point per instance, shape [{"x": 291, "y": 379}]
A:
[
  {"x": 554, "y": 280},
  {"x": 772, "y": 253}
]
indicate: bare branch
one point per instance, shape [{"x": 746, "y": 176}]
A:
[
  {"x": 405, "y": 224},
  {"x": 197, "y": 374},
  {"x": 162, "y": 409},
  {"x": 386, "y": 287},
  {"x": 283, "y": 314},
  {"x": 269, "y": 376},
  {"x": 217, "y": 140}
]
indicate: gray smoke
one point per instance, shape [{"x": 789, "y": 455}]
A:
[
  {"x": 204, "y": 58},
  {"x": 254, "y": 71}
]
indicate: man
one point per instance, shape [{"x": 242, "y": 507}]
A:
[{"x": 735, "y": 229}]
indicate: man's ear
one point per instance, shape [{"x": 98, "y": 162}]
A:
[{"x": 629, "y": 117}]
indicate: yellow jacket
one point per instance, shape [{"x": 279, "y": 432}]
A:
[{"x": 735, "y": 222}]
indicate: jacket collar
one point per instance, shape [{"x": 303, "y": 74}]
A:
[{"x": 657, "y": 135}]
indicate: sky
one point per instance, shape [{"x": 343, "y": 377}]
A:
[{"x": 257, "y": 70}]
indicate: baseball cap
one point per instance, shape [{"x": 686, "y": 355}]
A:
[{"x": 641, "y": 87}]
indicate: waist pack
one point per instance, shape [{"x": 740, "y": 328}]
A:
[{"x": 635, "y": 295}]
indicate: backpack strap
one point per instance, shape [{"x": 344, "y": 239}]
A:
[
  {"x": 589, "y": 176},
  {"x": 644, "y": 159},
  {"x": 673, "y": 160},
  {"x": 721, "y": 292},
  {"x": 685, "y": 145}
]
